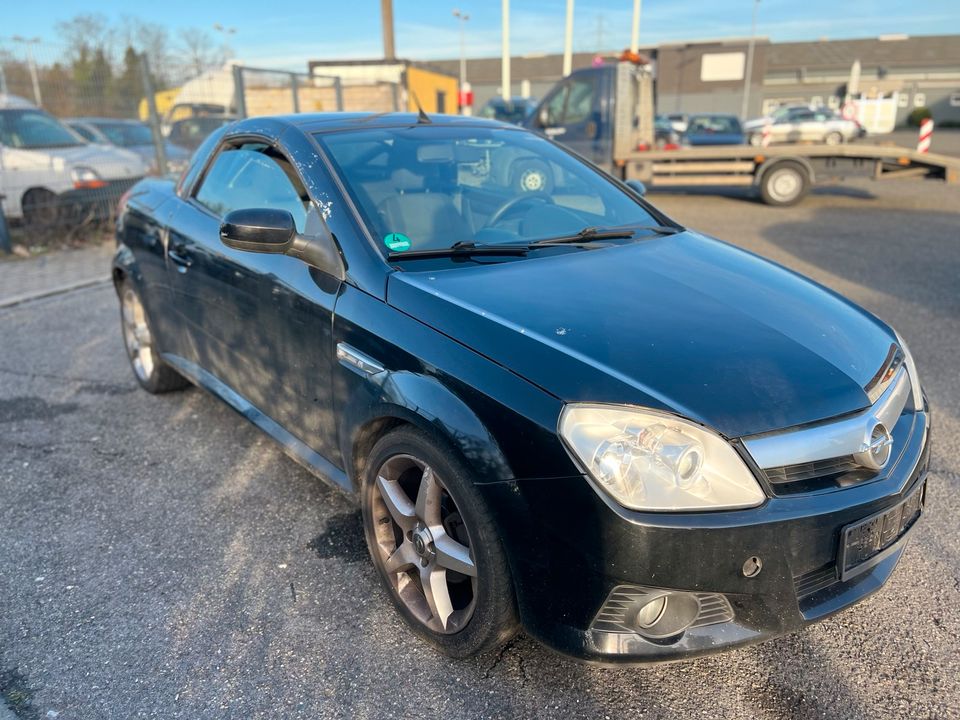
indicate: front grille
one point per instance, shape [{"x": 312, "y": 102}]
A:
[
  {"x": 825, "y": 470},
  {"x": 626, "y": 600}
]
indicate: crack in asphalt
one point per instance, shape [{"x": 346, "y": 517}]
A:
[{"x": 501, "y": 654}]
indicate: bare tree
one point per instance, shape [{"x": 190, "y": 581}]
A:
[
  {"x": 200, "y": 50},
  {"x": 84, "y": 34}
]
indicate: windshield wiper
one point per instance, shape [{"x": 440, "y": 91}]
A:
[
  {"x": 460, "y": 248},
  {"x": 589, "y": 234}
]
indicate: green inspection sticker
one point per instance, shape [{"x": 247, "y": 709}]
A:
[{"x": 397, "y": 242}]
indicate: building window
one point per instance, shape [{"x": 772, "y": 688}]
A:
[
  {"x": 816, "y": 101},
  {"x": 955, "y": 100},
  {"x": 919, "y": 100},
  {"x": 903, "y": 100}
]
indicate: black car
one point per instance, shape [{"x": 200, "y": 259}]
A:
[{"x": 558, "y": 411}]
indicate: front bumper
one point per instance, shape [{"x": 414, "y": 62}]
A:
[
  {"x": 583, "y": 547},
  {"x": 94, "y": 203}
]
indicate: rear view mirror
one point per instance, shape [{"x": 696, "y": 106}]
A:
[
  {"x": 638, "y": 187},
  {"x": 263, "y": 230}
]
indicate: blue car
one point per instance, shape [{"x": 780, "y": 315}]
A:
[{"x": 714, "y": 130}]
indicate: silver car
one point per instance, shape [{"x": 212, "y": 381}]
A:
[{"x": 803, "y": 123}]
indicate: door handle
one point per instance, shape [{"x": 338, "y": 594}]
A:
[{"x": 179, "y": 257}]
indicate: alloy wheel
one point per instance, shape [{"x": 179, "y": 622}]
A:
[
  {"x": 136, "y": 335},
  {"x": 423, "y": 545}
]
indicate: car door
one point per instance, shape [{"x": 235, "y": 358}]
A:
[
  {"x": 573, "y": 117},
  {"x": 259, "y": 323}
]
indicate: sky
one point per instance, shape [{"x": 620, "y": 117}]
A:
[{"x": 287, "y": 34}]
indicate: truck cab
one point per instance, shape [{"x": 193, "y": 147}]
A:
[{"x": 579, "y": 112}]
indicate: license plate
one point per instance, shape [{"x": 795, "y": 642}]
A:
[{"x": 863, "y": 543}]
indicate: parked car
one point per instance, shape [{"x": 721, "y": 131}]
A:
[
  {"x": 49, "y": 174},
  {"x": 132, "y": 135},
  {"x": 515, "y": 111},
  {"x": 713, "y": 129},
  {"x": 191, "y": 132},
  {"x": 802, "y": 123},
  {"x": 664, "y": 136},
  {"x": 678, "y": 121},
  {"x": 558, "y": 408}
]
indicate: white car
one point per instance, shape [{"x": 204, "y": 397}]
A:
[
  {"x": 49, "y": 174},
  {"x": 803, "y": 123}
]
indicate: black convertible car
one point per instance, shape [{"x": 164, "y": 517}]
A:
[{"x": 558, "y": 408}]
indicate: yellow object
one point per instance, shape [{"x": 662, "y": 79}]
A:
[
  {"x": 436, "y": 92},
  {"x": 164, "y": 100}
]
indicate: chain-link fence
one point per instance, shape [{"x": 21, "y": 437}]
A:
[{"x": 79, "y": 124}]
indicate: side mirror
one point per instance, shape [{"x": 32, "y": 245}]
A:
[
  {"x": 263, "y": 230},
  {"x": 266, "y": 230},
  {"x": 638, "y": 187}
]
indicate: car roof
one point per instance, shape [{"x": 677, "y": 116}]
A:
[
  {"x": 330, "y": 122},
  {"x": 99, "y": 120},
  {"x": 715, "y": 115}
]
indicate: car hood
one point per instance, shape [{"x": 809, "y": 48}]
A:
[
  {"x": 108, "y": 162},
  {"x": 684, "y": 323}
]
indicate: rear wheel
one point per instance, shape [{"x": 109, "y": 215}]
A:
[
  {"x": 786, "y": 183},
  {"x": 153, "y": 374},
  {"x": 41, "y": 209},
  {"x": 435, "y": 546}
]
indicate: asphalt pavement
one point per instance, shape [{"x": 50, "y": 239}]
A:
[{"x": 161, "y": 558}]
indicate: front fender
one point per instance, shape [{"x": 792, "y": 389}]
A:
[
  {"x": 124, "y": 265},
  {"x": 425, "y": 402}
]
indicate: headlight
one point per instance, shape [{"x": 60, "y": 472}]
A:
[
  {"x": 85, "y": 178},
  {"x": 647, "y": 460},
  {"x": 912, "y": 372}
]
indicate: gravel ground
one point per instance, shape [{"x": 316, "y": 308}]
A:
[{"x": 161, "y": 558}]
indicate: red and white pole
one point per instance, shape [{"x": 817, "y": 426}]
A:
[
  {"x": 926, "y": 135},
  {"x": 765, "y": 135}
]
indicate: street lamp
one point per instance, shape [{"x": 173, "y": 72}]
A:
[
  {"x": 463, "y": 17},
  {"x": 30, "y": 42},
  {"x": 226, "y": 32},
  {"x": 749, "y": 72}
]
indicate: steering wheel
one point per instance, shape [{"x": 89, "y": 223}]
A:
[{"x": 513, "y": 203}]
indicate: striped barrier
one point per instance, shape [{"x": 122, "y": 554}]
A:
[
  {"x": 926, "y": 135},
  {"x": 765, "y": 135}
]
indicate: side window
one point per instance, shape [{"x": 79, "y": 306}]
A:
[
  {"x": 556, "y": 104},
  {"x": 580, "y": 102},
  {"x": 253, "y": 176}
]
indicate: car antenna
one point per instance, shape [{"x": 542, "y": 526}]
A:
[{"x": 422, "y": 117}]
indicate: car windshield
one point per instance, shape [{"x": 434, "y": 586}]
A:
[
  {"x": 712, "y": 124},
  {"x": 126, "y": 134},
  {"x": 33, "y": 130},
  {"x": 428, "y": 187}
]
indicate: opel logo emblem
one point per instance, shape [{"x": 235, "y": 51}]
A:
[{"x": 875, "y": 451}]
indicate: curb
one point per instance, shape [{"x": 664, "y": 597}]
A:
[{"x": 58, "y": 290}]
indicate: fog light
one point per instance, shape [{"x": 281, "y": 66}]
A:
[{"x": 651, "y": 612}]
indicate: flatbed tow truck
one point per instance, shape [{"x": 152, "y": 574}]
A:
[{"x": 605, "y": 113}]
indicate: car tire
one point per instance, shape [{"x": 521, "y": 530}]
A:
[
  {"x": 41, "y": 209},
  {"x": 416, "y": 498},
  {"x": 154, "y": 375},
  {"x": 531, "y": 176},
  {"x": 833, "y": 138},
  {"x": 785, "y": 183}
]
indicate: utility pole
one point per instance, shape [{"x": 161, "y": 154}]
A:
[
  {"x": 505, "y": 60},
  {"x": 568, "y": 41},
  {"x": 635, "y": 29},
  {"x": 386, "y": 16},
  {"x": 748, "y": 75},
  {"x": 463, "y": 17},
  {"x": 31, "y": 62}
]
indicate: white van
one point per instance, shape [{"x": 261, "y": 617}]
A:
[{"x": 48, "y": 172}]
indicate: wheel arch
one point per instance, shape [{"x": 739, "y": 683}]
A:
[
  {"x": 407, "y": 398},
  {"x": 770, "y": 163}
]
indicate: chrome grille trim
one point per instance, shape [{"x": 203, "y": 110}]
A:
[{"x": 832, "y": 439}]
